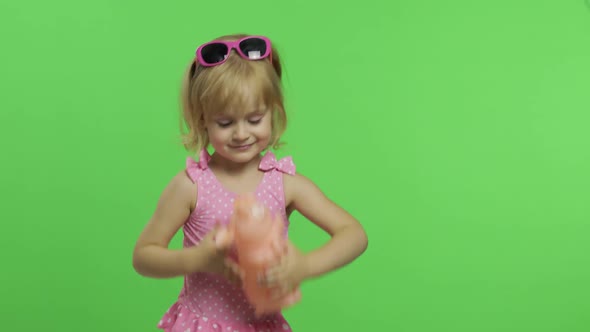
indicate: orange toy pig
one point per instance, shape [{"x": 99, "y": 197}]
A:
[{"x": 259, "y": 242}]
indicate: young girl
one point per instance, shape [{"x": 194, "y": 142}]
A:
[{"x": 233, "y": 103}]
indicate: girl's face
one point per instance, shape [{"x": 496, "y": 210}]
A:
[{"x": 240, "y": 136}]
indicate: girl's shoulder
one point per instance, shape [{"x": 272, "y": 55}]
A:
[
  {"x": 296, "y": 185},
  {"x": 183, "y": 187}
]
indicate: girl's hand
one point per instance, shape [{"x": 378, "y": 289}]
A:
[
  {"x": 215, "y": 259},
  {"x": 287, "y": 274}
]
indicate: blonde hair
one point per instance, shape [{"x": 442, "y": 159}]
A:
[{"x": 224, "y": 88}]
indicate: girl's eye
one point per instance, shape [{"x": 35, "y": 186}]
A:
[
  {"x": 224, "y": 124},
  {"x": 256, "y": 119}
]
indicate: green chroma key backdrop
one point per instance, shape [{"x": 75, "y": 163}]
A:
[{"x": 456, "y": 131}]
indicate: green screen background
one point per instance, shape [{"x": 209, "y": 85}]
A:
[{"x": 456, "y": 131}]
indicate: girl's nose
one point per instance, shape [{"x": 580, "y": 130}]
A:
[{"x": 241, "y": 133}]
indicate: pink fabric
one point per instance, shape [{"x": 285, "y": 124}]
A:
[{"x": 207, "y": 302}]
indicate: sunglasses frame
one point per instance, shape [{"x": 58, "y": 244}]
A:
[{"x": 234, "y": 45}]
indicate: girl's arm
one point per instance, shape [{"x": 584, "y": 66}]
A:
[
  {"x": 348, "y": 238},
  {"x": 151, "y": 256}
]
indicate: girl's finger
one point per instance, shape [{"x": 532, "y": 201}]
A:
[
  {"x": 235, "y": 268},
  {"x": 282, "y": 291},
  {"x": 269, "y": 280},
  {"x": 265, "y": 279}
]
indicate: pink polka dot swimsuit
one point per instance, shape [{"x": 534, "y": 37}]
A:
[{"x": 208, "y": 302}]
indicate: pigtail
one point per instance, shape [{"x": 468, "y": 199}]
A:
[{"x": 191, "y": 124}]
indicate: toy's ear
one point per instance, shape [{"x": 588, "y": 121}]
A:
[
  {"x": 240, "y": 205},
  {"x": 244, "y": 201}
]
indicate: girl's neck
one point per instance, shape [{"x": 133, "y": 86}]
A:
[{"x": 230, "y": 167}]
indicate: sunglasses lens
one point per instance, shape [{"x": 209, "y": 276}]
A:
[
  {"x": 214, "y": 53},
  {"x": 253, "y": 48}
]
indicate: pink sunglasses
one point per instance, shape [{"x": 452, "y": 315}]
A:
[{"x": 251, "y": 48}]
